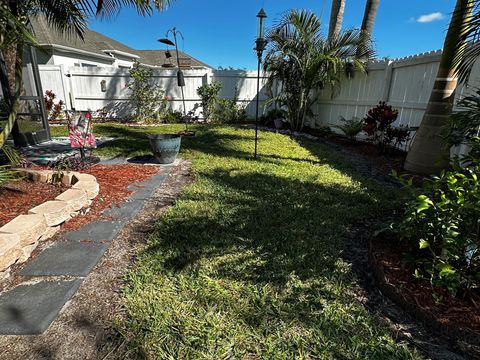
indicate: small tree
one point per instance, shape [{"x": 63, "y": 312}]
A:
[
  {"x": 208, "y": 96},
  {"x": 146, "y": 96}
]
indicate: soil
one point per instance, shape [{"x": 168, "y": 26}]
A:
[
  {"x": 462, "y": 312},
  {"x": 85, "y": 327},
  {"x": 20, "y": 196}
]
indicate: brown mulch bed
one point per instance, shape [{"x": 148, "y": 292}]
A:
[
  {"x": 114, "y": 181},
  {"x": 454, "y": 313},
  {"x": 20, "y": 196}
]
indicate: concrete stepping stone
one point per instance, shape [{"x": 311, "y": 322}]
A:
[
  {"x": 67, "y": 258},
  {"x": 30, "y": 309},
  {"x": 100, "y": 230},
  {"x": 126, "y": 211}
]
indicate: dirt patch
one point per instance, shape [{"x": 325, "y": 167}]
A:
[
  {"x": 20, "y": 196},
  {"x": 84, "y": 328}
]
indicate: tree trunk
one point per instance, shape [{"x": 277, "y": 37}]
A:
[
  {"x": 429, "y": 153},
  {"x": 368, "y": 22},
  {"x": 336, "y": 18},
  {"x": 15, "y": 103}
]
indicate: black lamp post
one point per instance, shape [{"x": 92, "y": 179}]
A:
[
  {"x": 180, "y": 77},
  {"x": 260, "y": 44}
]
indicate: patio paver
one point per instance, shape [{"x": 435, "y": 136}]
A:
[
  {"x": 67, "y": 258},
  {"x": 30, "y": 309}
]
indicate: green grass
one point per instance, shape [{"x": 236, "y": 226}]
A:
[{"x": 249, "y": 262}]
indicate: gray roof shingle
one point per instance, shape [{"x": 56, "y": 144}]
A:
[{"x": 95, "y": 42}]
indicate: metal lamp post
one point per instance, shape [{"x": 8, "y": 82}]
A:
[
  {"x": 260, "y": 45},
  {"x": 180, "y": 77}
]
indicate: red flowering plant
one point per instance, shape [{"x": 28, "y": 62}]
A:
[
  {"x": 378, "y": 125},
  {"x": 53, "y": 109}
]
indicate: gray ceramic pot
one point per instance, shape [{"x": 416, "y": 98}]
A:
[{"x": 165, "y": 147}]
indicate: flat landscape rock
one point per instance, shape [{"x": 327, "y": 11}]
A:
[
  {"x": 28, "y": 227},
  {"x": 55, "y": 212},
  {"x": 30, "y": 309},
  {"x": 10, "y": 250},
  {"x": 90, "y": 187},
  {"x": 76, "y": 198},
  {"x": 84, "y": 177},
  {"x": 67, "y": 258}
]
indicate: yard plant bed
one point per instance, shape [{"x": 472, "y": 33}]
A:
[
  {"x": 457, "y": 318},
  {"x": 114, "y": 181},
  {"x": 20, "y": 196}
]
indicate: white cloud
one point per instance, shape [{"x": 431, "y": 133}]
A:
[{"x": 435, "y": 16}]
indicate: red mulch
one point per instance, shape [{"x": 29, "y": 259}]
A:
[
  {"x": 113, "y": 181},
  {"x": 20, "y": 196},
  {"x": 455, "y": 311}
]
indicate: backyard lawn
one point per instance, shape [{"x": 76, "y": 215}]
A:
[{"x": 249, "y": 263}]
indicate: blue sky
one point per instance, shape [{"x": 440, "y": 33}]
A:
[{"x": 222, "y": 33}]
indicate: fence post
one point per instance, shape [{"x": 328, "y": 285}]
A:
[{"x": 388, "y": 81}]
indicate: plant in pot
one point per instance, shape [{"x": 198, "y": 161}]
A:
[{"x": 275, "y": 117}]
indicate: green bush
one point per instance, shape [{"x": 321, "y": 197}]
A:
[
  {"x": 227, "y": 111},
  {"x": 442, "y": 225},
  {"x": 351, "y": 128},
  {"x": 208, "y": 96}
]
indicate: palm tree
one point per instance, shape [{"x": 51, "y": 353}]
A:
[
  {"x": 67, "y": 16},
  {"x": 336, "y": 18},
  {"x": 368, "y": 22},
  {"x": 302, "y": 60},
  {"x": 429, "y": 152}
]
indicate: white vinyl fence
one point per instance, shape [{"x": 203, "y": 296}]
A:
[
  {"x": 404, "y": 83},
  {"x": 81, "y": 88}
]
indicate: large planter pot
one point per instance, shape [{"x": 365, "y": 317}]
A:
[{"x": 165, "y": 147}]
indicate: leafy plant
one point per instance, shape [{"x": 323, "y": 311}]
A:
[
  {"x": 464, "y": 124},
  {"x": 208, "y": 95},
  {"x": 271, "y": 115},
  {"x": 303, "y": 61},
  {"x": 378, "y": 125},
  {"x": 442, "y": 224},
  {"x": 228, "y": 111},
  {"x": 54, "y": 110},
  {"x": 70, "y": 163},
  {"x": 170, "y": 116},
  {"x": 351, "y": 128},
  {"x": 147, "y": 97},
  {"x": 10, "y": 158}
]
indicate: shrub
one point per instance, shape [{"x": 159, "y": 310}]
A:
[
  {"x": 377, "y": 124},
  {"x": 54, "y": 110},
  {"x": 271, "y": 115},
  {"x": 351, "y": 128},
  {"x": 228, "y": 111},
  {"x": 147, "y": 97},
  {"x": 442, "y": 225},
  {"x": 209, "y": 95},
  {"x": 170, "y": 116}
]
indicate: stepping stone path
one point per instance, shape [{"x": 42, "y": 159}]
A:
[{"x": 30, "y": 308}]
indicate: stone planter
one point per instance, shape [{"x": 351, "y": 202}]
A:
[
  {"x": 165, "y": 147},
  {"x": 278, "y": 123}
]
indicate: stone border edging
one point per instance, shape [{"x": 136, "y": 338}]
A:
[
  {"x": 452, "y": 332},
  {"x": 20, "y": 236}
]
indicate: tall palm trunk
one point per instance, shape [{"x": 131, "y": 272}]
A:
[
  {"x": 368, "y": 23},
  {"x": 429, "y": 153},
  {"x": 336, "y": 18}
]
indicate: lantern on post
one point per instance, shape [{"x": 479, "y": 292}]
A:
[{"x": 260, "y": 45}]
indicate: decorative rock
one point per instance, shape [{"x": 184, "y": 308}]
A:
[
  {"x": 84, "y": 177},
  {"x": 51, "y": 230},
  {"x": 68, "y": 178},
  {"x": 10, "y": 250},
  {"x": 28, "y": 227},
  {"x": 76, "y": 198},
  {"x": 90, "y": 187},
  {"x": 26, "y": 252},
  {"x": 55, "y": 212}
]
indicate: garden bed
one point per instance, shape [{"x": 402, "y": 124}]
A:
[
  {"x": 457, "y": 318},
  {"x": 114, "y": 181},
  {"x": 20, "y": 196}
]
